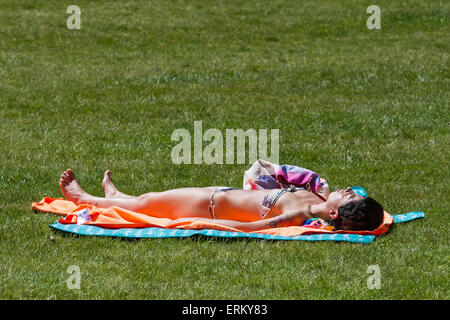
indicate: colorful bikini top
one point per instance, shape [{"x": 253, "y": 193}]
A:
[{"x": 271, "y": 198}]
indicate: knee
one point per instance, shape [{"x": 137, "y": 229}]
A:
[{"x": 142, "y": 202}]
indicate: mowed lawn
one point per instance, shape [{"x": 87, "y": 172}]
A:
[{"x": 360, "y": 107}]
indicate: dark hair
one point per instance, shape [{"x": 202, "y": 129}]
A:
[{"x": 365, "y": 214}]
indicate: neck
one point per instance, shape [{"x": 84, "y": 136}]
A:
[{"x": 320, "y": 210}]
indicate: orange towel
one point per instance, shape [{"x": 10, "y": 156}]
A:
[{"x": 116, "y": 217}]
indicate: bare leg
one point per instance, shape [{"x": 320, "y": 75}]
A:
[
  {"x": 172, "y": 204},
  {"x": 111, "y": 190},
  {"x": 72, "y": 190}
]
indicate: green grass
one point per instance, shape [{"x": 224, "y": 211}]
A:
[{"x": 361, "y": 107}]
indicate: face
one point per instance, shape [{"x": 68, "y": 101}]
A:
[{"x": 341, "y": 197}]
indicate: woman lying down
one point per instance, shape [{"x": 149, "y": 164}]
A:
[{"x": 247, "y": 210}]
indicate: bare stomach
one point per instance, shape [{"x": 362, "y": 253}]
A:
[{"x": 241, "y": 205}]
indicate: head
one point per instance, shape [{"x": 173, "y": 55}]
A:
[{"x": 350, "y": 211}]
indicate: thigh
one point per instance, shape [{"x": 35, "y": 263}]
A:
[{"x": 176, "y": 203}]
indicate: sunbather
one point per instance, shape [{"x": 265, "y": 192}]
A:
[{"x": 248, "y": 210}]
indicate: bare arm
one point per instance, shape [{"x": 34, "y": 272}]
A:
[{"x": 290, "y": 218}]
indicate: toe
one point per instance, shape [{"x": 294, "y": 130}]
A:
[
  {"x": 71, "y": 174},
  {"x": 65, "y": 177}
]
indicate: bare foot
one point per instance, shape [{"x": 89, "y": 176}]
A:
[
  {"x": 70, "y": 187},
  {"x": 111, "y": 190}
]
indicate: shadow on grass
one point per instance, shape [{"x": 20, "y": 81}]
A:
[{"x": 193, "y": 238}]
